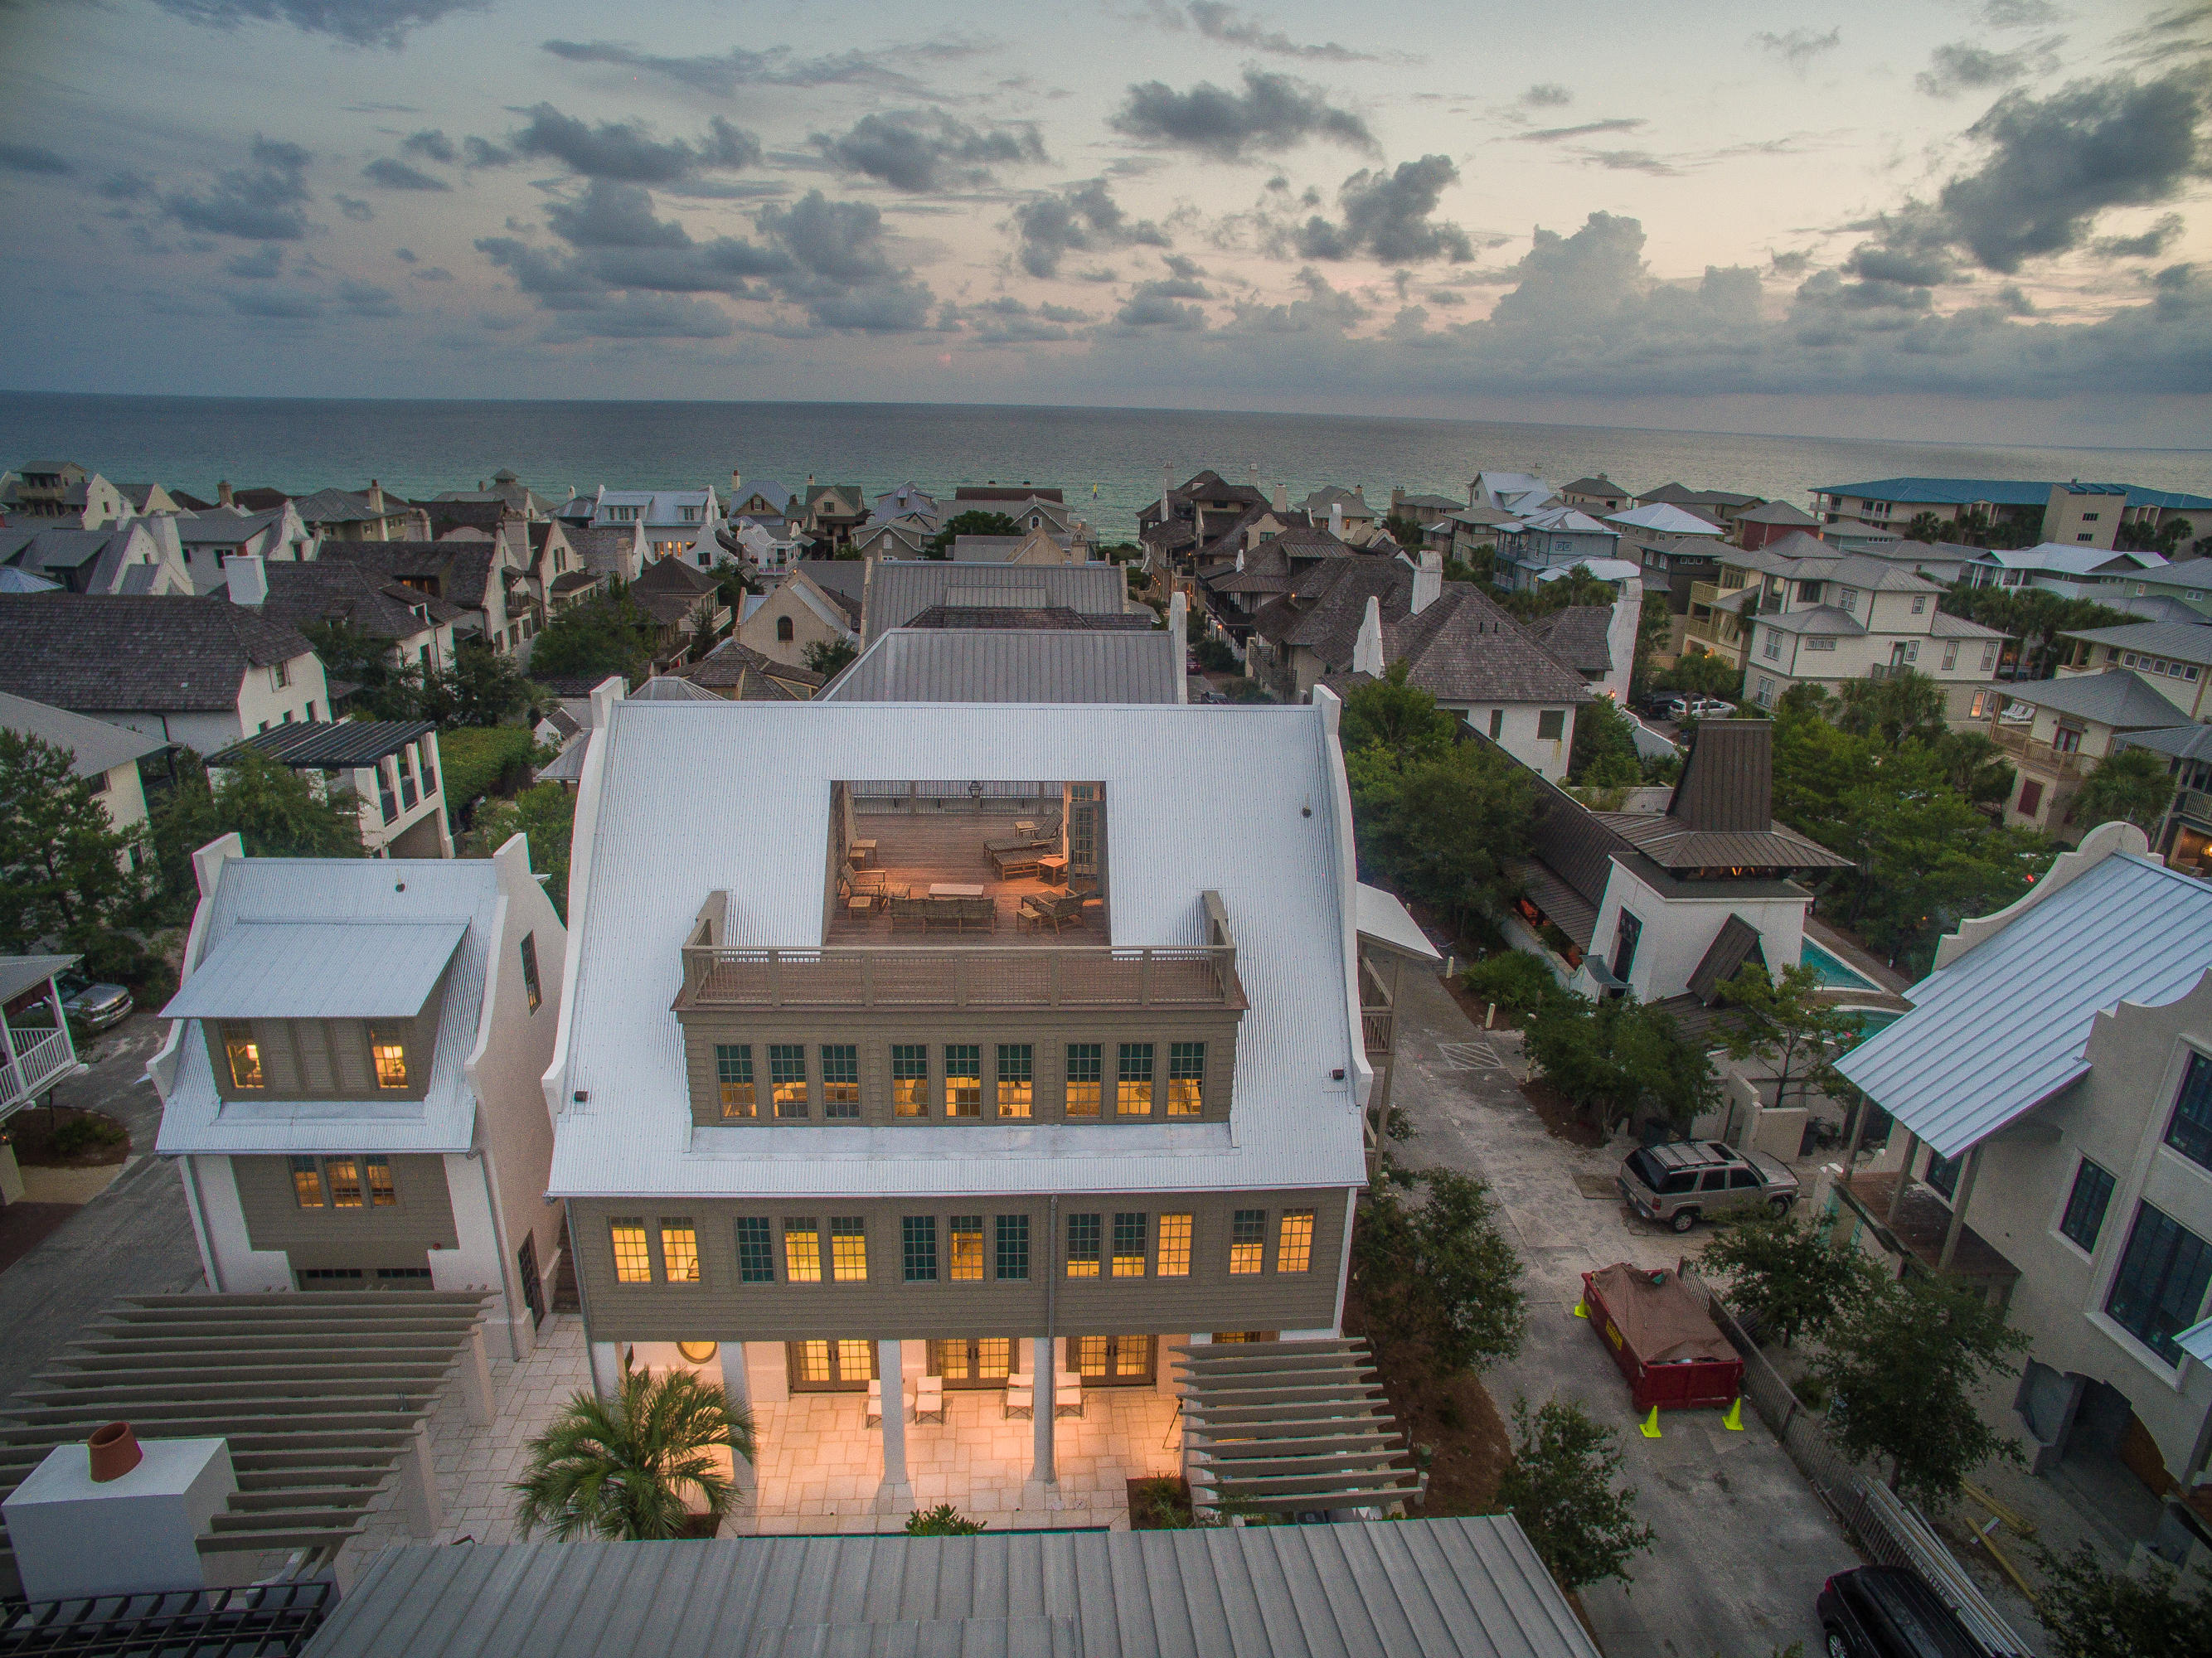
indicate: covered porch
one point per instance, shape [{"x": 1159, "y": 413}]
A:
[{"x": 36, "y": 1049}]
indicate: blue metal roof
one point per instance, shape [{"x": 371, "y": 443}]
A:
[
  {"x": 2007, "y": 492},
  {"x": 2002, "y": 1028}
]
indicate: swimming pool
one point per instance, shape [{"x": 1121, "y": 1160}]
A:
[
  {"x": 1867, "y": 1020},
  {"x": 1832, "y": 972}
]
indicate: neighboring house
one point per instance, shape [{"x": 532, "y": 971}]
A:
[
  {"x": 1667, "y": 906},
  {"x": 559, "y": 576},
  {"x": 785, "y": 1175},
  {"x": 2057, "y": 568},
  {"x": 62, "y": 492},
  {"x": 612, "y": 552},
  {"x": 2173, "y": 657},
  {"x": 470, "y": 573},
  {"x": 208, "y": 541},
  {"x": 1038, "y": 546},
  {"x": 1000, "y": 497},
  {"x": 1720, "y": 507},
  {"x": 738, "y": 672},
  {"x": 684, "y": 601},
  {"x": 894, "y": 594},
  {"x": 1183, "y": 522},
  {"x": 877, "y": 541},
  {"x": 350, "y": 1078},
  {"x": 802, "y": 610},
  {"x": 1596, "y": 496},
  {"x": 388, "y": 771},
  {"x": 37, "y": 1050},
  {"x": 909, "y": 503},
  {"x": 150, "y": 500},
  {"x": 511, "y": 492},
  {"x": 1770, "y": 520},
  {"x": 132, "y": 557},
  {"x": 2057, "y": 731},
  {"x": 754, "y": 541},
  {"x": 200, "y": 673},
  {"x": 2071, "y": 513},
  {"x": 1661, "y": 518},
  {"x": 105, "y": 755},
  {"x": 2056, "y": 1070},
  {"x": 762, "y": 499},
  {"x": 677, "y": 523},
  {"x": 1518, "y": 492},
  {"x": 2183, "y": 836},
  {"x": 830, "y": 513},
  {"x": 1553, "y": 538},
  {"x": 964, "y": 657},
  {"x": 2187, "y": 581},
  {"x": 416, "y": 629},
  {"x": 370, "y": 514},
  {"x": 1344, "y": 510}
]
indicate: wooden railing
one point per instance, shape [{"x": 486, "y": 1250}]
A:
[
  {"x": 39, "y": 1056},
  {"x": 2193, "y": 802},
  {"x": 2015, "y": 740},
  {"x": 1023, "y": 975}
]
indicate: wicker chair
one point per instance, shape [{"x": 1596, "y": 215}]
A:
[
  {"x": 911, "y": 912},
  {"x": 1042, "y": 909}
]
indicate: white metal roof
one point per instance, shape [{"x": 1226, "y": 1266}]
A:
[
  {"x": 2062, "y": 558},
  {"x": 2197, "y": 1342},
  {"x": 319, "y": 971},
  {"x": 2002, "y": 1028},
  {"x": 1665, "y": 519},
  {"x": 97, "y": 746},
  {"x": 1385, "y": 920},
  {"x": 20, "y": 973},
  {"x": 1008, "y": 664},
  {"x": 681, "y": 800}
]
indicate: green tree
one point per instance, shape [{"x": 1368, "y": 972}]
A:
[
  {"x": 1406, "y": 531},
  {"x": 1440, "y": 827},
  {"x": 1561, "y": 1489},
  {"x": 943, "y": 1521},
  {"x": 1403, "y": 718},
  {"x": 66, "y": 875},
  {"x": 1604, "y": 752},
  {"x": 2092, "y": 1613},
  {"x": 733, "y": 580},
  {"x": 546, "y": 812},
  {"x": 479, "y": 688},
  {"x": 1513, "y": 978},
  {"x": 1786, "y": 1277},
  {"x": 1925, "y": 527},
  {"x": 977, "y": 523},
  {"x": 1784, "y": 1020},
  {"x": 605, "y": 635},
  {"x": 621, "y": 1469},
  {"x": 1698, "y": 672},
  {"x": 1617, "y": 1057},
  {"x": 1905, "y": 1364},
  {"x": 829, "y": 657},
  {"x": 1975, "y": 766},
  {"x": 1442, "y": 1276},
  {"x": 2138, "y": 536},
  {"x": 273, "y": 809},
  {"x": 389, "y": 690},
  {"x": 2132, "y": 786},
  {"x": 477, "y": 759},
  {"x": 1904, "y": 705}
]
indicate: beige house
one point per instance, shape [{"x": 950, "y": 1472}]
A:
[
  {"x": 2173, "y": 658},
  {"x": 797, "y": 613},
  {"x": 2057, "y": 731}
]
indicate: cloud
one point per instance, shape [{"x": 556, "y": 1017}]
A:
[
  {"x": 366, "y": 299},
  {"x": 1273, "y": 112},
  {"x": 260, "y": 265},
  {"x": 482, "y": 152},
  {"x": 1232, "y": 25},
  {"x": 1008, "y": 321},
  {"x": 1799, "y": 47},
  {"x": 1083, "y": 220},
  {"x": 431, "y": 145},
  {"x": 908, "y": 150},
  {"x": 31, "y": 158},
  {"x": 625, "y": 150},
  {"x": 274, "y": 305},
  {"x": 357, "y": 22},
  {"x": 2019, "y": 14},
  {"x": 1554, "y": 135},
  {"x": 1547, "y": 95},
  {"x": 1322, "y": 309},
  {"x": 126, "y": 187},
  {"x": 644, "y": 317},
  {"x": 354, "y": 208},
  {"x": 431, "y": 273},
  {"x": 2148, "y": 246},
  {"x": 1961, "y": 66},
  {"x": 723, "y": 73},
  {"x": 263, "y": 203},
  {"x": 1386, "y": 214},
  {"x": 398, "y": 175},
  {"x": 404, "y": 255},
  {"x": 1156, "y": 305}
]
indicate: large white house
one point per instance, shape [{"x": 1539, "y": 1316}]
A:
[{"x": 677, "y": 523}]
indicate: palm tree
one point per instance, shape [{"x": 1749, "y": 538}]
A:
[{"x": 621, "y": 1469}]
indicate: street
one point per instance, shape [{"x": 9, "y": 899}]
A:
[{"x": 1742, "y": 1544}]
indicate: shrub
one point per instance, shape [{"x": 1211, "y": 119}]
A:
[
  {"x": 477, "y": 759},
  {"x": 1514, "y": 979},
  {"x": 943, "y": 1521},
  {"x": 1560, "y": 1488},
  {"x": 81, "y": 1134}
]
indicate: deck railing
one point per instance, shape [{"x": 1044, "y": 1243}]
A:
[
  {"x": 38, "y": 1059},
  {"x": 1021, "y": 975}
]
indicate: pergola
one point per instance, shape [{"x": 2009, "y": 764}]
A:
[
  {"x": 324, "y": 1398},
  {"x": 1289, "y": 1427}
]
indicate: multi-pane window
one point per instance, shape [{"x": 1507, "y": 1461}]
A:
[
  {"x": 307, "y": 1182},
  {"x": 849, "y": 1248},
  {"x": 1294, "y": 1241},
  {"x": 733, "y": 1072},
  {"x": 633, "y": 1258},
  {"x": 344, "y": 1175},
  {"x": 963, "y": 1079},
  {"x": 802, "y": 1252},
  {"x": 679, "y": 1250},
  {"x": 1083, "y": 1241},
  {"x": 841, "y": 1080},
  {"x": 786, "y": 1077},
  {"x": 2085, "y": 1205},
  {"x": 1014, "y": 1247},
  {"x": 918, "y": 1243},
  {"x": 389, "y": 1054},
  {"x": 911, "y": 1078},
  {"x": 967, "y": 1249},
  {"x": 756, "y": 1250},
  {"x": 1134, "y": 1097},
  {"x": 1017, "y": 1073},
  {"x": 1248, "y": 1241},
  {"x": 531, "y": 989},
  {"x": 1085, "y": 1074},
  {"x": 1129, "y": 1246},
  {"x": 1185, "y": 1078},
  {"x": 381, "y": 1192},
  {"x": 2161, "y": 1283},
  {"x": 245, "y": 1056},
  {"x": 1174, "y": 1246},
  {"x": 2189, "y": 1130}
]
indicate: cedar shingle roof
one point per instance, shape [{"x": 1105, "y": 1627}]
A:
[
  {"x": 300, "y": 594},
  {"x": 1577, "y": 635},
  {"x": 112, "y": 652},
  {"x": 459, "y": 571}
]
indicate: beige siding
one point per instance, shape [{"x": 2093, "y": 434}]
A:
[
  {"x": 328, "y": 1058},
  {"x": 719, "y": 1307},
  {"x": 422, "y": 1219}
]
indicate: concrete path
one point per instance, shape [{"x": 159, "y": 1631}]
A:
[{"x": 1743, "y": 1545}]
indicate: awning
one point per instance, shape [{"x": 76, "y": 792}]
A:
[
  {"x": 319, "y": 971},
  {"x": 20, "y": 973},
  {"x": 1383, "y": 921},
  {"x": 1290, "y": 1427}
]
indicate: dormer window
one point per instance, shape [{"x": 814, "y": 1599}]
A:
[
  {"x": 243, "y": 1054},
  {"x": 389, "y": 1051}
]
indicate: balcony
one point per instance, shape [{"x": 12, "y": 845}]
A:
[
  {"x": 2045, "y": 759},
  {"x": 2193, "y": 803},
  {"x": 958, "y": 976},
  {"x": 40, "y": 1057}
]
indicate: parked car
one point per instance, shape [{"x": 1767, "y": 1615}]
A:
[
  {"x": 91, "y": 1005},
  {"x": 1699, "y": 707},
  {"x": 1687, "y": 1179},
  {"x": 1888, "y": 1612}
]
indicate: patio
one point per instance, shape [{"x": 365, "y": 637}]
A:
[{"x": 913, "y": 854}]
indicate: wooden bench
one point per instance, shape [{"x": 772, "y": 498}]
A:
[
  {"x": 1022, "y": 860},
  {"x": 912, "y": 912}
]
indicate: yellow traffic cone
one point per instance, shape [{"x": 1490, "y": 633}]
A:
[
  {"x": 1650, "y": 1428},
  {"x": 1581, "y": 1310},
  {"x": 1734, "y": 1420}
]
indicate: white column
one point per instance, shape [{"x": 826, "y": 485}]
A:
[
  {"x": 418, "y": 1486},
  {"x": 895, "y": 1494},
  {"x": 1041, "y": 1471},
  {"x": 607, "y": 1369}
]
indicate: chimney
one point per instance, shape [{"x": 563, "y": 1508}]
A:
[
  {"x": 735, "y": 492},
  {"x": 248, "y": 576},
  {"x": 1428, "y": 580},
  {"x": 1252, "y": 475},
  {"x": 1336, "y": 518},
  {"x": 222, "y": 494},
  {"x": 1397, "y": 498},
  {"x": 1251, "y": 535},
  {"x": 375, "y": 496},
  {"x": 1240, "y": 561},
  {"x": 1166, "y": 489},
  {"x": 1282, "y": 498},
  {"x": 80, "y": 1532},
  {"x": 1367, "y": 649}
]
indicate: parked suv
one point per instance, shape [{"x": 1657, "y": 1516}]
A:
[
  {"x": 1697, "y": 708},
  {"x": 1679, "y": 1182},
  {"x": 1886, "y": 1612}
]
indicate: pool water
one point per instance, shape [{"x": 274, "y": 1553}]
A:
[
  {"x": 1867, "y": 1020},
  {"x": 1832, "y": 972}
]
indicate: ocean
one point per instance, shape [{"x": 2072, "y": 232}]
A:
[{"x": 1108, "y": 460}]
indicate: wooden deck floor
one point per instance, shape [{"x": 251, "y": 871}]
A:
[{"x": 918, "y": 851}]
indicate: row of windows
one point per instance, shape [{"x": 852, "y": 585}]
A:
[
  {"x": 958, "y": 1084},
  {"x": 313, "y": 1061},
  {"x": 956, "y": 1249},
  {"x": 350, "y": 1182}
]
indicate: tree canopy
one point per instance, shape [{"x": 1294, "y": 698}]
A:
[
  {"x": 1604, "y": 754},
  {"x": 273, "y": 809},
  {"x": 973, "y": 522},
  {"x": 2133, "y": 785},
  {"x": 66, "y": 875},
  {"x": 1442, "y": 1276},
  {"x": 1560, "y": 1488},
  {"x": 1620, "y": 1057},
  {"x": 1783, "y": 1019},
  {"x": 609, "y": 634},
  {"x": 546, "y": 812},
  {"x": 1786, "y": 1276},
  {"x": 2094, "y": 1611}
]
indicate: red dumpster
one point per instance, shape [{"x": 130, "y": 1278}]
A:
[{"x": 1662, "y": 1337}]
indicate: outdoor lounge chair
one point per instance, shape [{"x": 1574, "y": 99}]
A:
[
  {"x": 1042, "y": 909},
  {"x": 1019, "y": 861},
  {"x": 1020, "y": 843}
]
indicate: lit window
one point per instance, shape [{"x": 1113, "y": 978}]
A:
[
  {"x": 1085, "y": 1069},
  {"x": 786, "y": 1077},
  {"x": 963, "y": 1079},
  {"x": 1083, "y": 1239},
  {"x": 245, "y": 1056},
  {"x": 530, "y": 986},
  {"x": 910, "y": 1079},
  {"x": 1129, "y": 1246},
  {"x": 733, "y": 1071},
  {"x": 679, "y": 1251},
  {"x": 1017, "y": 1065},
  {"x": 1175, "y": 1247},
  {"x": 1294, "y": 1241},
  {"x": 632, "y": 1262},
  {"x": 918, "y": 1243},
  {"x": 841, "y": 1080},
  {"x": 307, "y": 1182},
  {"x": 802, "y": 1252},
  {"x": 1248, "y": 1241},
  {"x": 1014, "y": 1247},
  {"x": 849, "y": 1248},
  {"x": 390, "y": 1056},
  {"x": 345, "y": 1182},
  {"x": 967, "y": 1249},
  {"x": 382, "y": 1194},
  {"x": 1134, "y": 1096},
  {"x": 756, "y": 1250},
  {"x": 1185, "y": 1078}
]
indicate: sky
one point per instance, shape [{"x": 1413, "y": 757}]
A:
[{"x": 1968, "y": 220}]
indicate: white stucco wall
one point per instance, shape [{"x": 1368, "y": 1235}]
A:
[
  {"x": 1516, "y": 733},
  {"x": 1677, "y": 932},
  {"x": 238, "y": 1268}
]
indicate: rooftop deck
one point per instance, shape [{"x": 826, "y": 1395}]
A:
[{"x": 913, "y": 854}]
